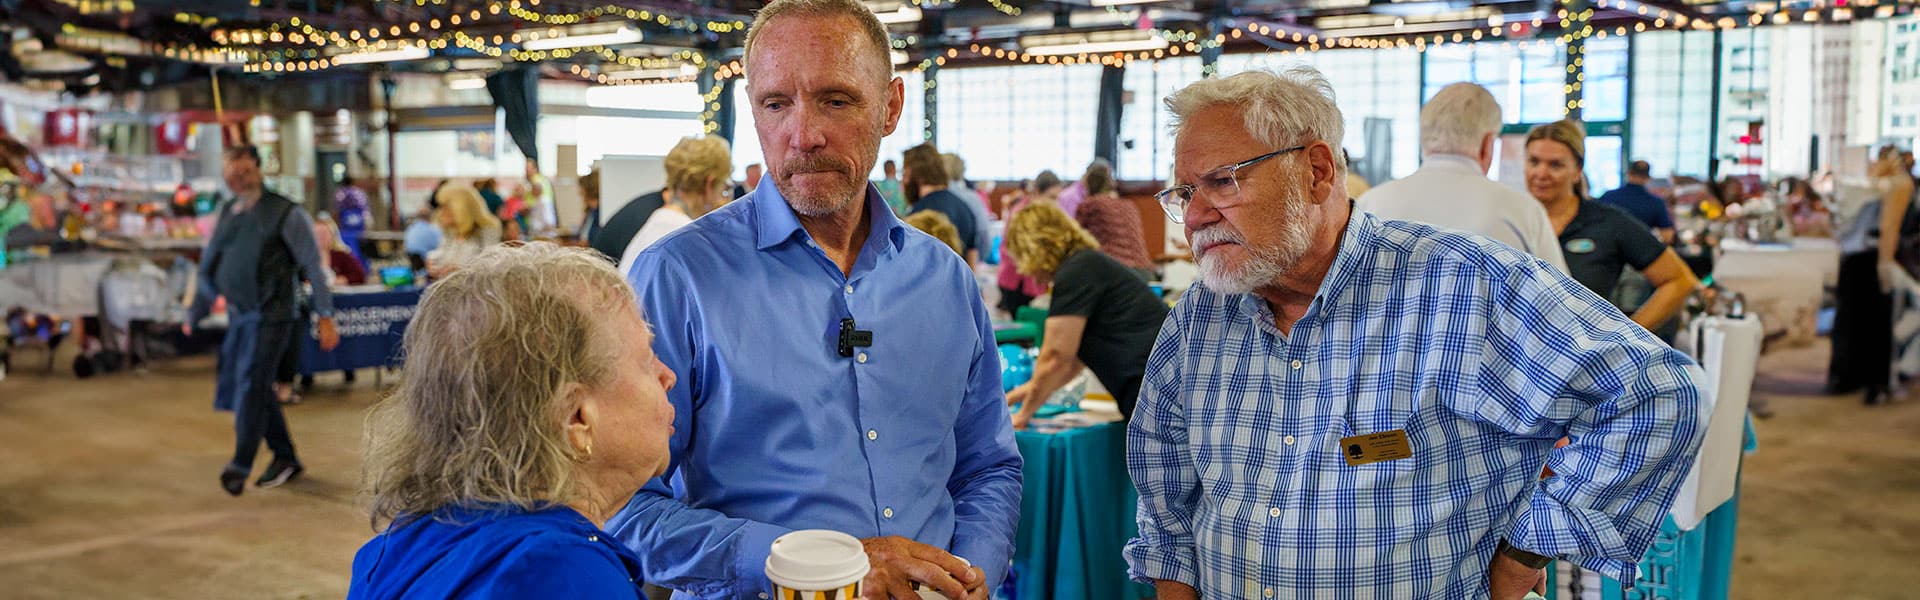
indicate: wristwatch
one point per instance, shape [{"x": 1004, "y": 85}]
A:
[{"x": 1525, "y": 558}]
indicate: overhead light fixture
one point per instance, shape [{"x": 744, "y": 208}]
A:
[
  {"x": 1092, "y": 43},
  {"x": 904, "y": 14},
  {"x": 670, "y": 73},
  {"x": 616, "y": 37},
  {"x": 1122, "y": 2},
  {"x": 899, "y": 58},
  {"x": 466, "y": 83},
  {"x": 361, "y": 58}
]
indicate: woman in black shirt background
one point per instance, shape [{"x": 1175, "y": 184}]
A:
[{"x": 1103, "y": 317}]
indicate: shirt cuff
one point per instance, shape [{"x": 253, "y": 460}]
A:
[
  {"x": 1549, "y": 528},
  {"x": 1618, "y": 570},
  {"x": 1147, "y": 563},
  {"x": 993, "y": 561},
  {"x": 750, "y": 550}
]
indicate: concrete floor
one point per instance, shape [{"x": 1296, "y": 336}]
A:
[{"x": 108, "y": 490}]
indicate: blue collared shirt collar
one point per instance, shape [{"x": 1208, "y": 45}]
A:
[
  {"x": 775, "y": 222},
  {"x": 1356, "y": 245}
]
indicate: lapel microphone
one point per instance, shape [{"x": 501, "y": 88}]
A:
[{"x": 851, "y": 338}]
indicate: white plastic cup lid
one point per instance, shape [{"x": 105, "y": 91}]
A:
[{"x": 816, "y": 559}]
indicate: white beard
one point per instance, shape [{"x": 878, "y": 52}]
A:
[{"x": 1262, "y": 266}]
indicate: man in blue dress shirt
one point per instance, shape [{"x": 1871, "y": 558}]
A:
[
  {"x": 1634, "y": 198},
  {"x": 838, "y": 367},
  {"x": 1350, "y": 407}
]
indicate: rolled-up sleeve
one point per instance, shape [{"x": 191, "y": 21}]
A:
[
  {"x": 1162, "y": 469},
  {"x": 986, "y": 470},
  {"x": 1561, "y": 361}
]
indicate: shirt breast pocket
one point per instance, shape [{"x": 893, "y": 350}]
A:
[{"x": 1399, "y": 416}]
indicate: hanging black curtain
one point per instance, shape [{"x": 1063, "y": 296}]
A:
[
  {"x": 1107, "y": 121},
  {"x": 516, "y": 90}
]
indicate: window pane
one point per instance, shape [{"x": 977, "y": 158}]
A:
[
  {"x": 1011, "y": 122},
  {"x": 1604, "y": 168},
  {"x": 746, "y": 139},
  {"x": 1605, "y": 89}
]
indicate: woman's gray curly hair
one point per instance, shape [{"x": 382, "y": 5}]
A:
[{"x": 492, "y": 354}]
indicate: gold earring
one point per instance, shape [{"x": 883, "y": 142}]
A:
[{"x": 587, "y": 453}]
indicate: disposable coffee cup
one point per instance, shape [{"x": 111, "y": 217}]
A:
[{"x": 816, "y": 564}]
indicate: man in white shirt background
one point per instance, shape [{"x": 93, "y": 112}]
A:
[{"x": 1457, "y": 129}]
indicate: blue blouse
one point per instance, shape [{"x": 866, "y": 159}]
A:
[{"x": 495, "y": 551}]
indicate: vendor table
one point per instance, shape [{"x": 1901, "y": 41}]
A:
[
  {"x": 1783, "y": 283},
  {"x": 63, "y": 284},
  {"x": 1076, "y": 513},
  {"x": 371, "y": 326}
]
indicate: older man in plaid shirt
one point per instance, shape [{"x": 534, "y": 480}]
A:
[{"x": 1350, "y": 407}]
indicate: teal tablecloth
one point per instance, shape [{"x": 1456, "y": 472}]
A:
[
  {"x": 1013, "y": 332},
  {"x": 1076, "y": 512}
]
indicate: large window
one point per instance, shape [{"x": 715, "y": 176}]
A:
[
  {"x": 1146, "y": 135},
  {"x": 1528, "y": 79},
  {"x": 1011, "y": 122},
  {"x": 1604, "y": 169},
  {"x": 1672, "y": 96},
  {"x": 1604, "y": 93},
  {"x": 1743, "y": 100},
  {"x": 1377, "y": 92},
  {"x": 1900, "y": 88},
  {"x": 911, "y": 131}
]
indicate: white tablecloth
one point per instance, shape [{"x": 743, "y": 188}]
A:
[
  {"x": 67, "y": 285},
  {"x": 1783, "y": 284}
]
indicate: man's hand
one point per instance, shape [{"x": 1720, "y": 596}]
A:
[
  {"x": 898, "y": 562},
  {"x": 1167, "y": 589},
  {"x": 329, "y": 335},
  {"x": 1507, "y": 579},
  {"x": 977, "y": 590}
]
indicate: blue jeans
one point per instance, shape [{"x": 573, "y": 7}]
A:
[{"x": 248, "y": 358}]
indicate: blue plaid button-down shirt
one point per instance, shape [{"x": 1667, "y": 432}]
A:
[{"x": 1484, "y": 356}]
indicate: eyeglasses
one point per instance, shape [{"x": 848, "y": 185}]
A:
[{"x": 1222, "y": 187}]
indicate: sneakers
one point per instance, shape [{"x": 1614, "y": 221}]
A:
[
  {"x": 279, "y": 473},
  {"x": 233, "y": 480}
]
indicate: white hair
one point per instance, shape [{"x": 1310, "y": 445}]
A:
[
  {"x": 1282, "y": 109},
  {"x": 1456, "y": 119}
]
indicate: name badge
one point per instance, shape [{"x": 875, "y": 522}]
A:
[
  {"x": 1376, "y": 447},
  {"x": 1580, "y": 246}
]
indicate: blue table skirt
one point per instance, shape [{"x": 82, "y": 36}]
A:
[
  {"x": 371, "y": 328},
  {"x": 1076, "y": 513}
]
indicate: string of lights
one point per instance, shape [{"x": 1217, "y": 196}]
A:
[
  {"x": 285, "y": 31},
  {"x": 296, "y": 45}
]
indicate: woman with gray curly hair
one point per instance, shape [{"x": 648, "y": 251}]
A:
[{"x": 532, "y": 407}]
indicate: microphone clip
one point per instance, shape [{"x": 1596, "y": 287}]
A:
[{"x": 851, "y": 338}]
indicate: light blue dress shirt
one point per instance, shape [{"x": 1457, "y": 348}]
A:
[
  {"x": 776, "y": 431},
  {"x": 1483, "y": 356}
]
